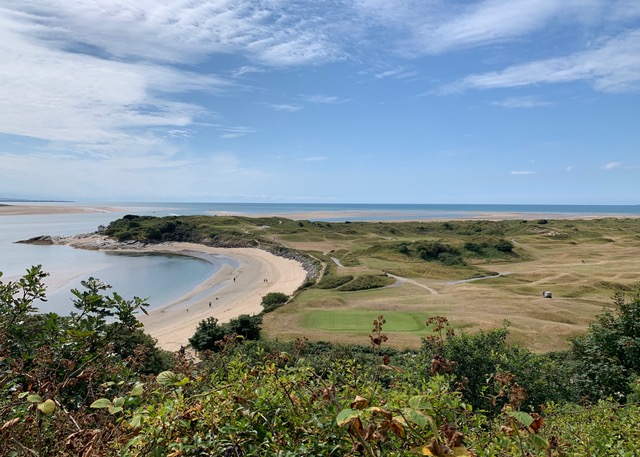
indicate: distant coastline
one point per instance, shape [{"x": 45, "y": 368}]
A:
[{"x": 334, "y": 212}]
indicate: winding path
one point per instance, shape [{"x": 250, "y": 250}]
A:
[{"x": 400, "y": 280}]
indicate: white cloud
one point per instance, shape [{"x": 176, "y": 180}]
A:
[
  {"x": 314, "y": 159},
  {"x": 52, "y": 94},
  {"x": 325, "y": 99},
  {"x": 427, "y": 27},
  {"x": 283, "y": 107},
  {"x": 612, "y": 165},
  {"x": 613, "y": 67},
  {"x": 522, "y": 102},
  {"x": 523, "y": 172},
  {"x": 181, "y": 30},
  {"x": 396, "y": 73},
  {"x": 489, "y": 22},
  {"x": 247, "y": 69},
  {"x": 235, "y": 132},
  {"x": 121, "y": 178}
]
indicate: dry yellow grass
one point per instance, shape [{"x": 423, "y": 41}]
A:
[{"x": 583, "y": 276}]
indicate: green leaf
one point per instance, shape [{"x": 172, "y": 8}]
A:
[
  {"x": 420, "y": 402},
  {"x": 182, "y": 382},
  {"x": 115, "y": 409},
  {"x": 540, "y": 442},
  {"x": 23, "y": 394},
  {"x": 34, "y": 398},
  {"x": 167, "y": 378},
  {"x": 416, "y": 417},
  {"x": 522, "y": 417},
  {"x": 137, "y": 390},
  {"x": 136, "y": 420},
  {"x": 48, "y": 407},
  {"x": 102, "y": 403},
  {"x": 346, "y": 416}
]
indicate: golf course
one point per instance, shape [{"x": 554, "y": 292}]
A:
[{"x": 480, "y": 274}]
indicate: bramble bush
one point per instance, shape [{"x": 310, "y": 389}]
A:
[{"x": 67, "y": 388}]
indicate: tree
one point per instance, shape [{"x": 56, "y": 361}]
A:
[
  {"x": 608, "y": 356},
  {"x": 273, "y": 300},
  {"x": 246, "y": 326},
  {"x": 208, "y": 333}
]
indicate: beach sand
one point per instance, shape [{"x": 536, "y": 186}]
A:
[
  {"x": 231, "y": 292},
  {"x": 228, "y": 293}
]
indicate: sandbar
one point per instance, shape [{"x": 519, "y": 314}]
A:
[
  {"x": 228, "y": 293},
  {"x": 24, "y": 210}
]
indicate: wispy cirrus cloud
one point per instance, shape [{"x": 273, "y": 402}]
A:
[
  {"x": 612, "y": 67},
  {"x": 325, "y": 99},
  {"x": 246, "y": 69},
  {"x": 235, "y": 132},
  {"x": 612, "y": 165},
  {"x": 183, "y": 30},
  {"x": 396, "y": 73},
  {"x": 430, "y": 27},
  {"x": 314, "y": 159},
  {"x": 53, "y": 94},
  {"x": 522, "y": 102},
  {"x": 524, "y": 172},
  {"x": 283, "y": 107}
]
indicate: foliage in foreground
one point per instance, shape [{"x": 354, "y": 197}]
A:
[{"x": 66, "y": 390}]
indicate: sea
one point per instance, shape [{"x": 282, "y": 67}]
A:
[{"x": 162, "y": 279}]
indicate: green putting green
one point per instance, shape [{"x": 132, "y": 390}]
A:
[{"x": 361, "y": 321}]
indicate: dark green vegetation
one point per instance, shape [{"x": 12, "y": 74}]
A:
[
  {"x": 93, "y": 384},
  {"x": 211, "y": 336},
  {"x": 273, "y": 300},
  {"x": 466, "y": 245}
]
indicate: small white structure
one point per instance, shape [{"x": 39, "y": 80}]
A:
[
  {"x": 546, "y": 294},
  {"x": 101, "y": 228}
]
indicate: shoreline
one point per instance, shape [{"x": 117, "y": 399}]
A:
[{"x": 228, "y": 293}]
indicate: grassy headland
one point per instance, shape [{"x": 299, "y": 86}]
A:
[{"x": 409, "y": 269}]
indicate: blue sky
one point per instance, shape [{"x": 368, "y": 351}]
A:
[{"x": 414, "y": 101}]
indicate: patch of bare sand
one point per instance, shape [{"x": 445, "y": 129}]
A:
[{"x": 24, "y": 210}]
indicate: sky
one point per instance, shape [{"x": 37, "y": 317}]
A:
[{"x": 323, "y": 101}]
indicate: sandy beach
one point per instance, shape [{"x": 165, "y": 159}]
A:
[
  {"x": 225, "y": 295},
  {"x": 228, "y": 293}
]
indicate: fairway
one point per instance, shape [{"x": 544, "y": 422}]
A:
[{"x": 360, "y": 321}]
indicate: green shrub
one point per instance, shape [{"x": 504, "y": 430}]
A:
[
  {"x": 273, "y": 300},
  {"x": 608, "y": 356},
  {"x": 367, "y": 282},
  {"x": 209, "y": 333},
  {"x": 331, "y": 281}
]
